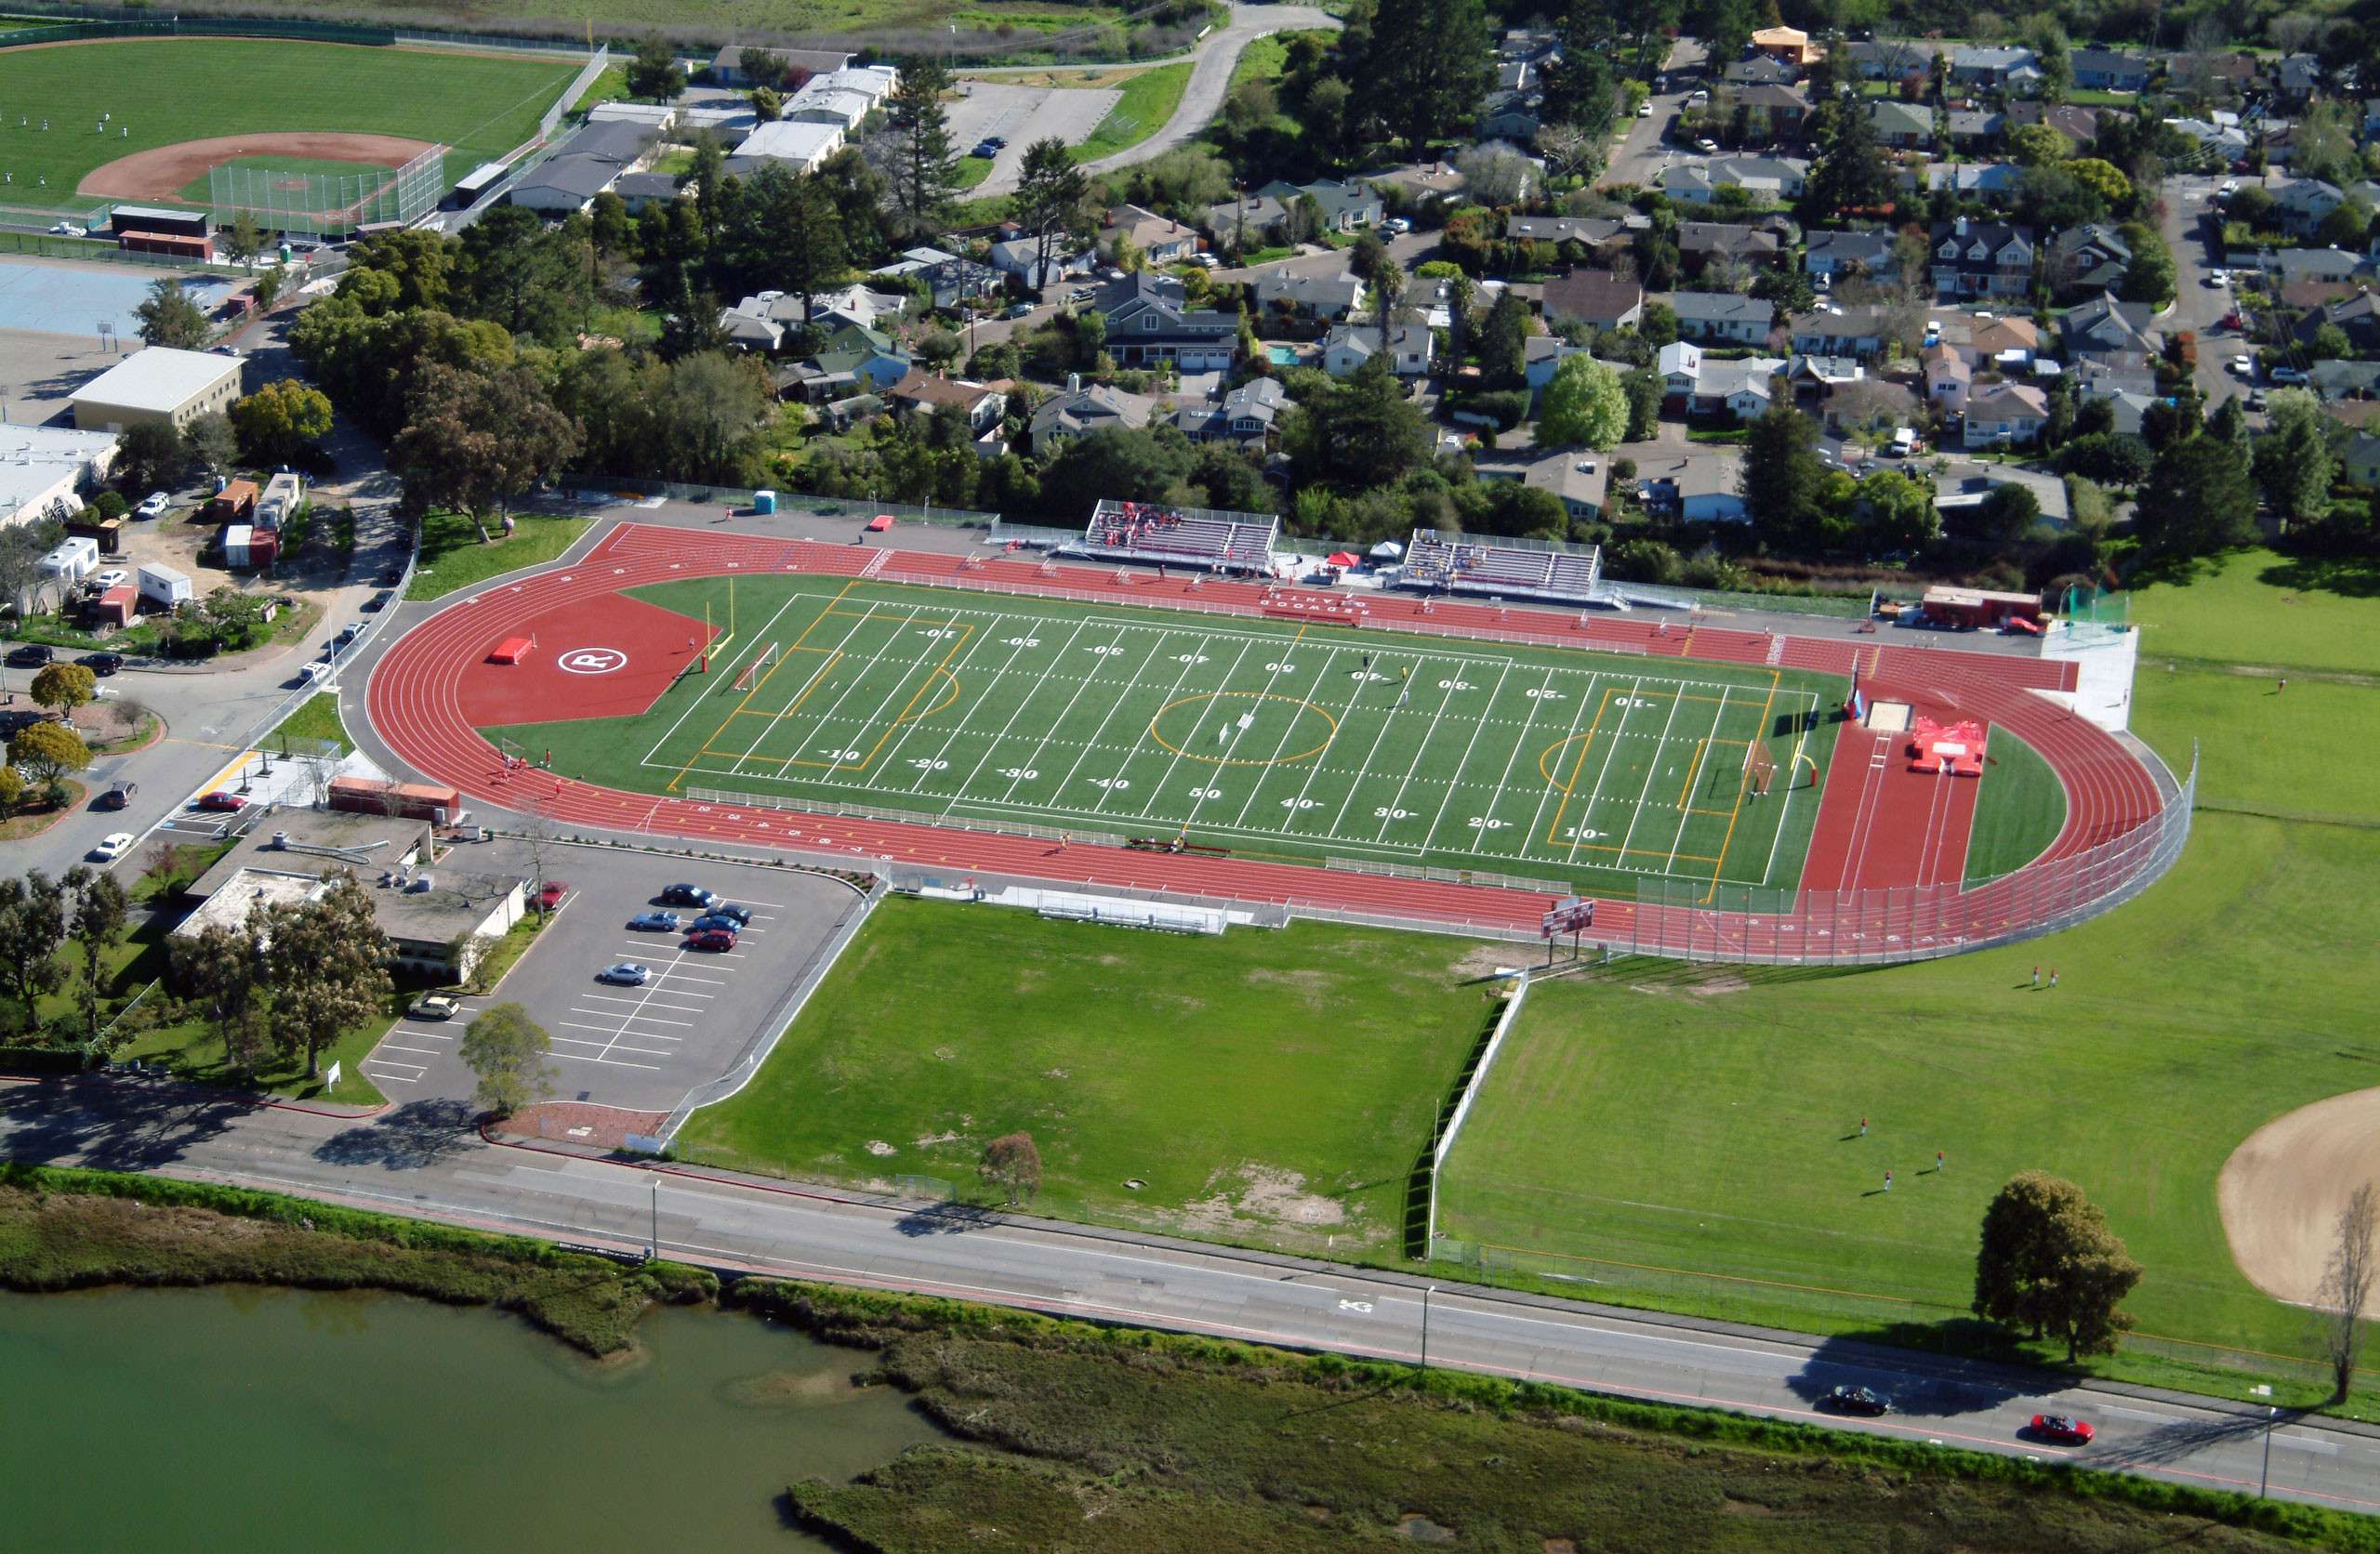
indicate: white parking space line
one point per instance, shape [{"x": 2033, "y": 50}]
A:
[
  {"x": 633, "y": 1019},
  {"x": 613, "y": 1062},
  {"x": 393, "y": 1047},
  {"x": 391, "y": 1062},
  {"x": 614, "y": 1035},
  {"x": 393, "y": 1078},
  {"x": 674, "y": 1009}
]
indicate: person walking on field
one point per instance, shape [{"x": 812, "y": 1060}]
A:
[
  {"x": 2037, "y": 975},
  {"x": 1938, "y": 1163},
  {"x": 1888, "y": 1181},
  {"x": 2053, "y": 976},
  {"x": 1863, "y": 1128}
]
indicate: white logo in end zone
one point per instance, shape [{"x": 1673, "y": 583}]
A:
[{"x": 593, "y": 660}]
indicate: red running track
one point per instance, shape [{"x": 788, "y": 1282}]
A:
[{"x": 413, "y": 703}]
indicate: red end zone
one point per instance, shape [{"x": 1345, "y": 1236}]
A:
[{"x": 609, "y": 656}]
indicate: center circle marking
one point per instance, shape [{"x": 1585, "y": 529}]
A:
[{"x": 1330, "y": 729}]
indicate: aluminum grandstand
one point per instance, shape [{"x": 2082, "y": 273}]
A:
[
  {"x": 1181, "y": 536},
  {"x": 1465, "y": 564}
]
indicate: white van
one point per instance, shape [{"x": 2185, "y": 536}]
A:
[{"x": 1904, "y": 441}]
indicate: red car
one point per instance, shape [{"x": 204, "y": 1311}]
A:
[
  {"x": 551, "y": 897},
  {"x": 221, "y": 800},
  {"x": 710, "y": 939},
  {"x": 2062, "y": 1430}
]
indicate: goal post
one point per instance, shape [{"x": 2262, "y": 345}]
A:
[
  {"x": 1760, "y": 767},
  {"x": 749, "y": 676}
]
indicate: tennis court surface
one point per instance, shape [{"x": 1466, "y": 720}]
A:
[
  {"x": 1270, "y": 741},
  {"x": 60, "y": 298}
]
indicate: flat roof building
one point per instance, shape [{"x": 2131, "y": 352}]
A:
[
  {"x": 157, "y": 384},
  {"x": 42, "y": 468}
]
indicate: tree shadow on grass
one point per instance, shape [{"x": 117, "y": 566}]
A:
[
  {"x": 2348, "y": 577},
  {"x": 417, "y": 1134}
]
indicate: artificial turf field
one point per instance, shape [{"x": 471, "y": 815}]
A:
[
  {"x": 1270, "y": 740},
  {"x": 168, "y": 90}
]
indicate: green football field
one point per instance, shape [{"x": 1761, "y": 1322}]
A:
[
  {"x": 168, "y": 90},
  {"x": 1266, "y": 740}
]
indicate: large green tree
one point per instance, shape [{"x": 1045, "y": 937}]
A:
[
  {"x": 1422, "y": 68},
  {"x": 96, "y": 923},
  {"x": 1361, "y": 432},
  {"x": 2196, "y": 500},
  {"x": 653, "y": 73},
  {"x": 33, "y": 928},
  {"x": 168, "y": 317},
  {"x": 1585, "y": 405},
  {"x": 326, "y": 960},
  {"x": 1850, "y": 172},
  {"x": 920, "y": 172},
  {"x": 280, "y": 420},
  {"x": 530, "y": 278},
  {"x": 1783, "y": 481},
  {"x": 2293, "y": 460},
  {"x": 1051, "y": 201},
  {"x": 223, "y": 972},
  {"x": 507, "y": 1051},
  {"x": 48, "y": 751},
  {"x": 2050, "y": 1265},
  {"x": 476, "y": 440}
]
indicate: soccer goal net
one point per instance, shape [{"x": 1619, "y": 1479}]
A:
[
  {"x": 1760, "y": 767},
  {"x": 749, "y": 676}
]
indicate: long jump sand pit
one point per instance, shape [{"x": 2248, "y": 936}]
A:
[
  {"x": 164, "y": 173},
  {"x": 2281, "y": 1191}
]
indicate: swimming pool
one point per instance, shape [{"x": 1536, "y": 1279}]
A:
[
  {"x": 1282, "y": 356},
  {"x": 65, "y": 299}
]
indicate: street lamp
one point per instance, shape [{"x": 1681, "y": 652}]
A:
[
  {"x": 654, "y": 1249},
  {"x": 2264, "y": 1477},
  {"x": 1427, "y": 1291}
]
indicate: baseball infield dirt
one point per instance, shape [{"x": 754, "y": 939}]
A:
[
  {"x": 2281, "y": 1191},
  {"x": 162, "y": 173}
]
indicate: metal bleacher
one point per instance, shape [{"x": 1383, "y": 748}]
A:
[
  {"x": 1153, "y": 532},
  {"x": 1516, "y": 568}
]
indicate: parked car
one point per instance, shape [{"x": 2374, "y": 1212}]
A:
[
  {"x": 218, "y": 799},
  {"x": 1396, "y": 224},
  {"x": 2218, "y": 277},
  {"x": 654, "y": 922},
  {"x": 1707, "y": 146},
  {"x": 2230, "y": 187},
  {"x": 32, "y": 655},
  {"x": 711, "y": 938},
  {"x": 627, "y": 973},
  {"x": 2062, "y": 1430},
  {"x": 114, "y": 577},
  {"x": 378, "y": 601},
  {"x": 112, "y": 846},
  {"x": 433, "y": 1005},
  {"x": 2287, "y": 375},
  {"x": 718, "y": 920},
  {"x": 69, "y": 228},
  {"x": 102, "y": 663},
  {"x": 689, "y": 895},
  {"x": 1017, "y": 310},
  {"x": 2245, "y": 367},
  {"x": 1644, "y": 110},
  {"x": 985, "y": 150},
  {"x": 154, "y": 505},
  {"x": 550, "y": 896},
  {"x": 1859, "y": 1400},
  {"x": 740, "y": 915}
]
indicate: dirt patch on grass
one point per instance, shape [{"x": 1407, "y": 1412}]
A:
[
  {"x": 2281, "y": 1190},
  {"x": 1485, "y": 960},
  {"x": 1258, "y": 1197},
  {"x": 164, "y": 173}
]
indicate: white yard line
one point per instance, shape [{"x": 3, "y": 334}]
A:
[
  {"x": 778, "y": 717},
  {"x": 1396, "y": 800},
  {"x": 1659, "y": 749},
  {"x": 1016, "y": 650},
  {"x": 1362, "y": 678},
  {"x": 1454, "y": 784},
  {"x": 1190, "y": 662},
  {"x": 1520, "y": 743},
  {"x": 1001, "y": 738},
  {"x": 1363, "y": 773},
  {"x": 1098, "y": 731},
  {"x": 1686, "y": 809},
  {"x": 1786, "y": 812},
  {"x": 1579, "y": 832},
  {"x": 1033, "y": 762},
  {"x": 1587, "y": 698},
  {"x": 1288, "y": 727},
  {"x": 697, "y": 701}
]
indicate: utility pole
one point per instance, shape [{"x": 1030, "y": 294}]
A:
[
  {"x": 2264, "y": 1477},
  {"x": 1427, "y": 1291},
  {"x": 655, "y": 1250}
]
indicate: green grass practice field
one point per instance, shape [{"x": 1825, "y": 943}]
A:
[
  {"x": 1689, "y": 1138},
  {"x": 168, "y": 90},
  {"x": 1260, "y": 1086},
  {"x": 1267, "y": 739}
]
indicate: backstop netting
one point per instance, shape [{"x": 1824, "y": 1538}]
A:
[
  {"x": 2096, "y": 616},
  {"x": 290, "y": 200}
]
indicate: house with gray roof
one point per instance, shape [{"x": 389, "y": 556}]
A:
[
  {"x": 2004, "y": 65},
  {"x": 1595, "y": 296},
  {"x": 1080, "y": 411},
  {"x": 1832, "y": 256},
  {"x": 1839, "y": 331},
  {"x": 1327, "y": 298},
  {"x": 1344, "y": 207},
  {"x": 2107, "y": 327},
  {"x": 1247, "y": 416},
  {"x": 1722, "y": 317},
  {"x": 2108, "y": 69},
  {"x": 1349, "y": 346},
  {"x": 2091, "y": 257},
  {"x": 1903, "y": 125}
]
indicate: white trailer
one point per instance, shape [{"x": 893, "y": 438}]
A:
[{"x": 163, "y": 585}]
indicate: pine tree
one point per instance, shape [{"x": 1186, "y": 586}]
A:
[{"x": 921, "y": 171}]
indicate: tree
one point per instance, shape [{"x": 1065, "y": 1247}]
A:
[
  {"x": 1503, "y": 341},
  {"x": 1050, "y": 195},
  {"x": 2006, "y": 513},
  {"x": 1896, "y": 511},
  {"x": 95, "y": 923},
  {"x": 243, "y": 240},
  {"x": 921, "y": 171},
  {"x": 2344, "y": 1297},
  {"x": 13, "y": 791},
  {"x": 33, "y": 928},
  {"x": 1013, "y": 1164},
  {"x": 2104, "y": 178},
  {"x": 708, "y": 413},
  {"x": 1389, "y": 307},
  {"x": 1782, "y": 477},
  {"x": 222, "y": 970},
  {"x": 1494, "y": 174},
  {"x": 280, "y": 419},
  {"x": 767, "y": 103},
  {"x": 654, "y": 72},
  {"x": 2150, "y": 276},
  {"x": 1126, "y": 463},
  {"x": 63, "y": 687},
  {"x": 2196, "y": 501},
  {"x": 266, "y": 290},
  {"x": 168, "y": 317},
  {"x": 1361, "y": 432},
  {"x": 1585, "y": 405},
  {"x": 326, "y": 960},
  {"x": 530, "y": 278},
  {"x": 810, "y": 242},
  {"x": 150, "y": 455},
  {"x": 507, "y": 1050},
  {"x": 475, "y": 440},
  {"x": 2038, "y": 145},
  {"x": 1422, "y": 68},
  {"x": 48, "y": 752},
  {"x": 1850, "y": 172},
  {"x": 2293, "y": 461},
  {"x": 23, "y": 546},
  {"x": 1645, "y": 390},
  {"x": 2050, "y": 1265}
]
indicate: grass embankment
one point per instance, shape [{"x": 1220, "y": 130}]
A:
[
  {"x": 453, "y": 554},
  {"x": 2258, "y": 607},
  {"x": 315, "y": 724},
  {"x": 2018, "y": 811},
  {"x": 1119, "y": 1439},
  {"x": 1147, "y": 103},
  {"x": 1263, "y": 1087},
  {"x": 62, "y": 1229},
  {"x": 2232, "y": 992}
]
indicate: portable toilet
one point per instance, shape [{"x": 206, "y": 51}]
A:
[{"x": 764, "y": 501}]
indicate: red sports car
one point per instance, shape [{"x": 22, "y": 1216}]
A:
[
  {"x": 2062, "y": 1430},
  {"x": 221, "y": 800},
  {"x": 710, "y": 939}
]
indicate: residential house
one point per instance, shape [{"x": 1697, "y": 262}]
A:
[
  {"x": 1595, "y": 296},
  {"x": 1541, "y": 355},
  {"x": 1892, "y": 60},
  {"x": 1423, "y": 183},
  {"x": 1327, "y": 297},
  {"x": 1021, "y": 257},
  {"x": 1345, "y": 206},
  {"x": 1982, "y": 180},
  {"x": 1703, "y": 487},
  {"x": 1248, "y": 222},
  {"x": 2302, "y": 204},
  {"x": 950, "y": 278},
  {"x": 1702, "y": 242},
  {"x": 1974, "y": 129},
  {"x": 1247, "y": 416},
  {"x": 1761, "y": 70},
  {"x": 1767, "y": 179},
  {"x": 1080, "y": 411},
  {"x": 1779, "y": 111},
  {"x": 1817, "y": 376},
  {"x": 852, "y": 360},
  {"x": 1948, "y": 377},
  {"x": 1789, "y": 44},
  {"x": 1873, "y": 404},
  {"x": 2285, "y": 265},
  {"x": 852, "y": 304},
  {"x": 2221, "y": 136},
  {"x": 918, "y": 394},
  {"x": 1515, "y": 117},
  {"x": 2108, "y": 69},
  {"x": 1600, "y": 237},
  {"x": 1722, "y": 317},
  {"x": 1836, "y": 256},
  {"x": 761, "y": 321},
  {"x": 2357, "y": 317},
  {"x": 2007, "y": 65},
  {"x": 1701, "y": 385},
  {"x": 2301, "y": 296},
  {"x": 1906, "y": 125},
  {"x": 1150, "y": 321},
  {"x": 1579, "y": 479},
  {"x": 2087, "y": 259},
  {"x": 1349, "y": 346},
  {"x": 1967, "y": 484},
  {"x": 2361, "y": 460},
  {"x": 2004, "y": 412},
  {"x": 2107, "y": 327},
  {"x": 2080, "y": 125},
  {"x": 1160, "y": 239},
  {"x": 2001, "y": 340},
  {"x": 2220, "y": 76},
  {"x": 1981, "y": 258},
  {"x": 1841, "y": 331},
  {"x": 2344, "y": 380}
]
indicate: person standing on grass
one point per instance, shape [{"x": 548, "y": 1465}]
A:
[
  {"x": 2053, "y": 976},
  {"x": 1863, "y": 1128},
  {"x": 1888, "y": 1181},
  {"x": 2037, "y": 974},
  {"x": 1938, "y": 1163}
]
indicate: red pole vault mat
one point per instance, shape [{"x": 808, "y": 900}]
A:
[{"x": 608, "y": 656}]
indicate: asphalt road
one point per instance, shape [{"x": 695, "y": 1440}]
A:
[
  {"x": 421, "y": 1160},
  {"x": 2194, "y": 232}
]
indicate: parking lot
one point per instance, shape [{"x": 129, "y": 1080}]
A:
[
  {"x": 1021, "y": 115},
  {"x": 637, "y": 1046}
]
